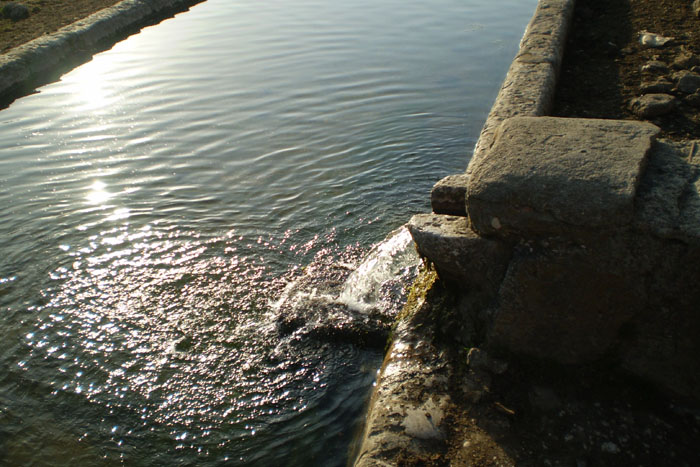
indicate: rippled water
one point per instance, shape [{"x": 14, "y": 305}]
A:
[{"x": 156, "y": 203}]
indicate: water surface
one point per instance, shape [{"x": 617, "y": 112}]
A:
[{"x": 157, "y": 201}]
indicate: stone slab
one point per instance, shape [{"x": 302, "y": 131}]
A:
[
  {"x": 549, "y": 175},
  {"x": 668, "y": 199},
  {"x": 449, "y": 195},
  {"x": 406, "y": 413},
  {"x": 460, "y": 256},
  {"x": 568, "y": 304},
  {"x": 527, "y": 90}
]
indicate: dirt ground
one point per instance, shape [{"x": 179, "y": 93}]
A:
[
  {"x": 45, "y": 16},
  {"x": 602, "y": 68}
]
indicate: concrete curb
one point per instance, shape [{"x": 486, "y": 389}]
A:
[{"x": 44, "y": 59}]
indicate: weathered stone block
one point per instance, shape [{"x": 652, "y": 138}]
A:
[
  {"x": 661, "y": 344},
  {"x": 460, "y": 256},
  {"x": 547, "y": 175},
  {"x": 668, "y": 198},
  {"x": 527, "y": 90},
  {"x": 449, "y": 195},
  {"x": 565, "y": 304}
]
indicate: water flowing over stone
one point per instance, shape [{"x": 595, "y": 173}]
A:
[{"x": 338, "y": 302}]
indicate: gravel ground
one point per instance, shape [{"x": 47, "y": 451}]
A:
[{"x": 606, "y": 66}]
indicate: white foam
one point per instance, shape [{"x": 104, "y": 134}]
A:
[{"x": 386, "y": 261}]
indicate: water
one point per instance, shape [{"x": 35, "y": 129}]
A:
[{"x": 163, "y": 205}]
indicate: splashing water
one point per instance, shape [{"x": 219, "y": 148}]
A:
[
  {"x": 336, "y": 301},
  {"x": 387, "y": 268}
]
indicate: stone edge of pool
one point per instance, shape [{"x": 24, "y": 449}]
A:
[
  {"x": 566, "y": 240},
  {"x": 46, "y": 58},
  {"x": 410, "y": 401}
]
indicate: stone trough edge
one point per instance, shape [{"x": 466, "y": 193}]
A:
[
  {"x": 530, "y": 83},
  {"x": 45, "y": 58},
  {"x": 527, "y": 90}
]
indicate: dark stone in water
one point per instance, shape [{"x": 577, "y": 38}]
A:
[
  {"x": 324, "y": 320},
  {"x": 311, "y": 310}
]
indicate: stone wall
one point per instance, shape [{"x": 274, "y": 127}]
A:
[
  {"x": 44, "y": 59},
  {"x": 573, "y": 241},
  {"x": 589, "y": 228},
  {"x": 601, "y": 222}
]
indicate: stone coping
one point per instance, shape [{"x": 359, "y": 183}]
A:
[
  {"x": 530, "y": 84},
  {"x": 553, "y": 176},
  {"x": 44, "y": 59},
  {"x": 528, "y": 90}
]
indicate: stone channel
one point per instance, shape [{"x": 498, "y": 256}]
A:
[{"x": 566, "y": 241}]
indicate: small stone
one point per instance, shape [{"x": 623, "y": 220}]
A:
[
  {"x": 661, "y": 85},
  {"x": 652, "y": 105},
  {"x": 655, "y": 66},
  {"x": 687, "y": 82},
  {"x": 448, "y": 196},
  {"x": 478, "y": 359},
  {"x": 685, "y": 60},
  {"x": 651, "y": 39},
  {"x": 610, "y": 448},
  {"x": 696, "y": 8},
  {"x": 15, "y": 11},
  {"x": 693, "y": 99}
]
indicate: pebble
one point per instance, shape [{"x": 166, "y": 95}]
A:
[
  {"x": 15, "y": 11},
  {"x": 696, "y": 8},
  {"x": 651, "y": 39},
  {"x": 693, "y": 99},
  {"x": 652, "y": 105},
  {"x": 685, "y": 60},
  {"x": 661, "y": 85},
  {"x": 610, "y": 447},
  {"x": 687, "y": 82},
  {"x": 655, "y": 66}
]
